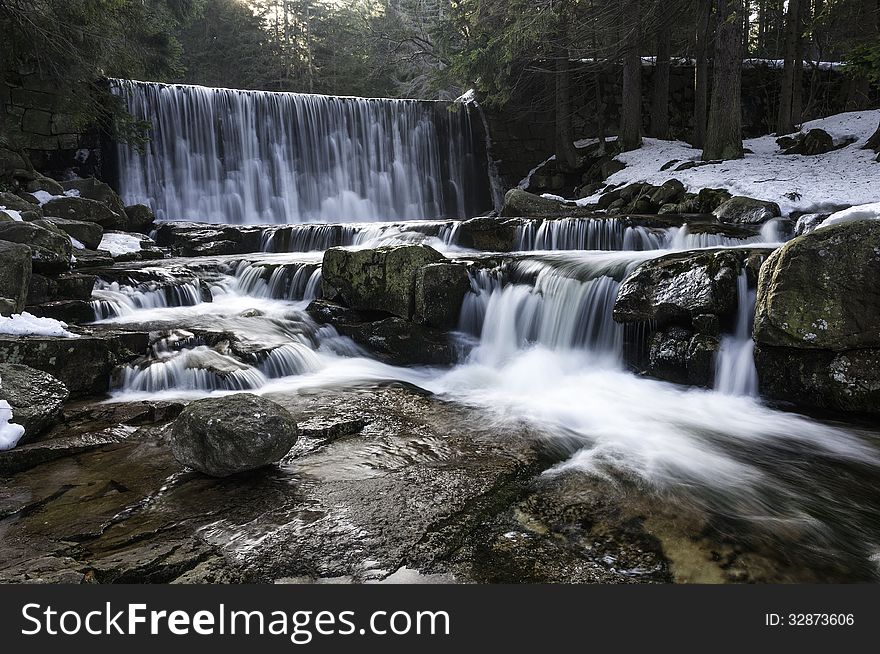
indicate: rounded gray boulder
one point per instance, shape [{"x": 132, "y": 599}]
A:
[{"x": 226, "y": 435}]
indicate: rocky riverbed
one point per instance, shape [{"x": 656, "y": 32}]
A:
[{"x": 533, "y": 397}]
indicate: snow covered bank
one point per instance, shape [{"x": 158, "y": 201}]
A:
[
  {"x": 845, "y": 177},
  {"x": 25, "y": 324}
]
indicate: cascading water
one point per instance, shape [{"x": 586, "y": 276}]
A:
[
  {"x": 230, "y": 156},
  {"x": 112, "y": 299},
  {"x": 735, "y": 371},
  {"x": 587, "y": 234}
]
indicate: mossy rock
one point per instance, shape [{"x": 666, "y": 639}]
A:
[{"x": 822, "y": 290}]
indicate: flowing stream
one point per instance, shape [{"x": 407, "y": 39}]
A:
[{"x": 539, "y": 345}]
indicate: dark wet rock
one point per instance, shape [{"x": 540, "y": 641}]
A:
[
  {"x": 814, "y": 142},
  {"x": 679, "y": 356},
  {"x": 89, "y": 234},
  {"x": 92, "y": 189},
  {"x": 83, "y": 364},
  {"x": 522, "y": 203},
  {"x": 741, "y": 209},
  {"x": 69, "y": 311},
  {"x": 669, "y": 192},
  {"x": 817, "y": 321},
  {"x": 67, "y": 286},
  {"x": 403, "y": 343},
  {"x": 709, "y": 199},
  {"x": 36, "y": 397},
  {"x": 439, "y": 292},
  {"x": 43, "y": 183},
  {"x": 846, "y": 381},
  {"x": 14, "y": 165},
  {"x": 15, "y": 276},
  {"x": 25, "y": 457},
  {"x": 83, "y": 210},
  {"x": 197, "y": 240},
  {"x": 380, "y": 279},
  {"x": 225, "y": 436},
  {"x": 140, "y": 218},
  {"x": 822, "y": 290},
  {"x": 808, "y": 222},
  {"x": 393, "y": 340},
  {"x": 92, "y": 259},
  {"x": 50, "y": 247},
  {"x": 675, "y": 288},
  {"x": 488, "y": 234},
  {"x": 28, "y": 210},
  {"x": 330, "y": 429}
]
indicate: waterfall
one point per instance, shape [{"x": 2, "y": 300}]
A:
[
  {"x": 587, "y": 234},
  {"x": 558, "y": 312},
  {"x": 735, "y": 372},
  {"x": 292, "y": 281},
  {"x": 246, "y": 157},
  {"x": 112, "y": 299}
]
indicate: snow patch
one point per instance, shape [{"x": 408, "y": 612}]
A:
[
  {"x": 12, "y": 213},
  {"x": 26, "y": 324},
  {"x": 10, "y": 433},
  {"x": 77, "y": 244},
  {"x": 44, "y": 196},
  {"x": 810, "y": 184},
  {"x": 118, "y": 243},
  {"x": 861, "y": 212}
]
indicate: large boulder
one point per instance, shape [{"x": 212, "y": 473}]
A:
[
  {"x": 92, "y": 189},
  {"x": 487, "y": 234},
  {"x": 380, "y": 279},
  {"x": 139, "y": 218},
  {"x": 822, "y": 290},
  {"x": 678, "y": 287},
  {"x": 709, "y": 199},
  {"x": 522, "y": 204},
  {"x": 846, "y": 381},
  {"x": 15, "y": 276},
  {"x": 439, "y": 292},
  {"x": 84, "y": 210},
  {"x": 89, "y": 234},
  {"x": 83, "y": 364},
  {"x": 36, "y": 397},
  {"x": 743, "y": 210},
  {"x": 50, "y": 247},
  {"x": 228, "y": 435},
  {"x": 816, "y": 141},
  {"x": 817, "y": 324}
]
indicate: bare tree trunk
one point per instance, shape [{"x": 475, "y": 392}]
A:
[
  {"x": 724, "y": 131},
  {"x": 866, "y": 29},
  {"x": 784, "y": 120},
  {"x": 566, "y": 155},
  {"x": 660, "y": 99},
  {"x": 631, "y": 102},
  {"x": 601, "y": 128},
  {"x": 701, "y": 72}
]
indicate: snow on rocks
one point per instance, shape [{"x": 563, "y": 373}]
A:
[
  {"x": 860, "y": 212},
  {"x": 12, "y": 213},
  {"x": 26, "y": 324},
  {"x": 118, "y": 243},
  {"x": 44, "y": 196},
  {"x": 10, "y": 433},
  {"x": 810, "y": 184}
]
